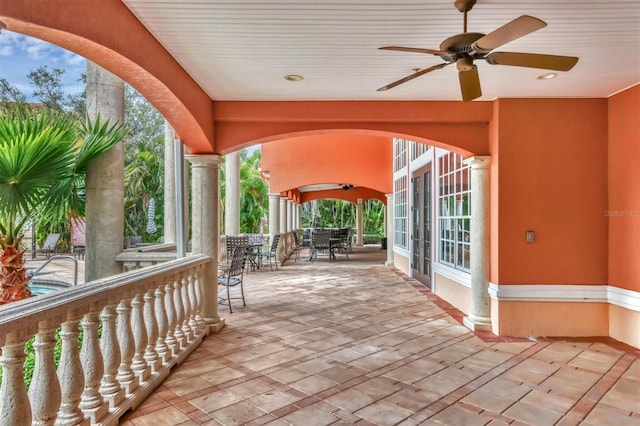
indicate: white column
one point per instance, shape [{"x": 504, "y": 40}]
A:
[
  {"x": 290, "y": 223},
  {"x": 232, "y": 193},
  {"x": 388, "y": 216},
  {"x": 359, "y": 224},
  {"x": 205, "y": 183},
  {"x": 283, "y": 215},
  {"x": 274, "y": 214},
  {"x": 169, "y": 185},
  {"x": 298, "y": 221},
  {"x": 480, "y": 316},
  {"x": 105, "y": 180}
]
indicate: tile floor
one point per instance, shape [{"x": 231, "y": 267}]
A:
[{"x": 356, "y": 343}]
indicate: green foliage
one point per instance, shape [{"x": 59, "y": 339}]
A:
[
  {"x": 144, "y": 166},
  {"x": 254, "y": 198},
  {"x": 10, "y": 95},
  {"x": 43, "y": 160},
  {"x": 342, "y": 214}
]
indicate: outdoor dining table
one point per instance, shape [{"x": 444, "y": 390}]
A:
[{"x": 253, "y": 255}]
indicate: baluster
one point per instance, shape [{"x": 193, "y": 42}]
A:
[
  {"x": 202, "y": 325},
  {"x": 44, "y": 391},
  {"x": 186, "y": 329},
  {"x": 70, "y": 374},
  {"x": 91, "y": 402},
  {"x": 15, "y": 409},
  {"x": 139, "y": 364},
  {"x": 161, "y": 315},
  {"x": 110, "y": 387},
  {"x": 177, "y": 302},
  {"x": 126, "y": 377},
  {"x": 150, "y": 321},
  {"x": 193, "y": 301},
  {"x": 171, "y": 319}
]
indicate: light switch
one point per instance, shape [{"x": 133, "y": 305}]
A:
[{"x": 531, "y": 237}]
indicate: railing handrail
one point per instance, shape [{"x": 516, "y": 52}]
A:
[{"x": 36, "y": 272}]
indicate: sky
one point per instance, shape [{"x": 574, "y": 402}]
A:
[{"x": 20, "y": 54}]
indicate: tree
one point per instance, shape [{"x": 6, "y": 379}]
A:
[
  {"x": 144, "y": 164},
  {"x": 48, "y": 87},
  {"x": 10, "y": 95},
  {"x": 254, "y": 198},
  {"x": 43, "y": 162}
]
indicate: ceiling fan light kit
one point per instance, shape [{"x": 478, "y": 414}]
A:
[{"x": 466, "y": 47}]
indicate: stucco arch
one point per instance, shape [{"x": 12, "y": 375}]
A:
[
  {"x": 351, "y": 196},
  {"x": 107, "y": 33},
  {"x": 361, "y": 160},
  {"x": 462, "y": 127}
]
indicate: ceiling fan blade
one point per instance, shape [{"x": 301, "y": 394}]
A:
[
  {"x": 470, "y": 84},
  {"x": 517, "y": 28},
  {"x": 413, "y": 49},
  {"x": 532, "y": 60},
  {"x": 412, "y": 76}
]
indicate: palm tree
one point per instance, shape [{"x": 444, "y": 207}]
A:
[
  {"x": 43, "y": 162},
  {"x": 254, "y": 197}
]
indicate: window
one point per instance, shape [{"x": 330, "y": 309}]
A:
[
  {"x": 417, "y": 149},
  {"x": 400, "y": 217},
  {"x": 399, "y": 154},
  {"x": 454, "y": 212}
]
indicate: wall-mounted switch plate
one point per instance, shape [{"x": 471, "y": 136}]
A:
[{"x": 531, "y": 237}]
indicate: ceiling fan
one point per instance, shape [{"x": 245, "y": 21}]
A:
[{"x": 464, "y": 48}]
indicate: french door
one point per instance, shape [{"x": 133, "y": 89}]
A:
[{"x": 421, "y": 236}]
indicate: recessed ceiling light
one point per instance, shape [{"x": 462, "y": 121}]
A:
[
  {"x": 547, "y": 76},
  {"x": 293, "y": 77}
]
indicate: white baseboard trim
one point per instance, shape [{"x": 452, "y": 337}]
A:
[{"x": 627, "y": 299}]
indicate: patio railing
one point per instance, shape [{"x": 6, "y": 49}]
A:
[{"x": 118, "y": 339}]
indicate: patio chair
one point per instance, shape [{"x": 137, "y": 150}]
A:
[
  {"x": 272, "y": 253},
  {"x": 49, "y": 245},
  {"x": 321, "y": 244},
  {"x": 233, "y": 275},
  {"x": 232, "y": 242},
  {"x": 298, "y": 246}
]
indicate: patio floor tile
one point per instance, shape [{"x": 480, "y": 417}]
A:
[{"x": 357, "y": 343}]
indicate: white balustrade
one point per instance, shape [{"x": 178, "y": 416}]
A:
[
  {"x": 70, "y": 375},
  {"x": 140, "y": 313},
  {"x": 139, "y": 364},
  {"x": 44, "y": 392}
]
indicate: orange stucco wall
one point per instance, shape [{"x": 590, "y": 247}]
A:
[
  {"x": 356, "y": 159},
  {"x": 623, "y": 206},
  {"x": 550, "y": 173}
]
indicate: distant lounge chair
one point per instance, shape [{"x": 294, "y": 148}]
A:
[{"x": 49, "y": 245}]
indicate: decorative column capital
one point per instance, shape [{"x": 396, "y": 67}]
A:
[
  {"x": 478, "y": 162},
  {"x": 389, "y": 196},
  {"x": 274, "y": 195},
  {"x": 211, "y": 161}
]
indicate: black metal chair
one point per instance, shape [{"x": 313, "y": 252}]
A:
[
  {"x": 233, "y": 275},
  {"x": 272, "y": 253},
  {"x": 298, "y": 246},
  {"x": 321, "y": 244}
]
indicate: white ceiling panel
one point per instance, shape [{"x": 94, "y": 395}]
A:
[{"x": 241, "y": 50}]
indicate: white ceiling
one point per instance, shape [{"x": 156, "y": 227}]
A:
[{"x": 241, "y": 50}]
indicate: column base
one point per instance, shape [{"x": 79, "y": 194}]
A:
[
  {"x": 477, "y": 324},
  {"x": 215, "y": 326},
  {"x": 389, "y": 263}
]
